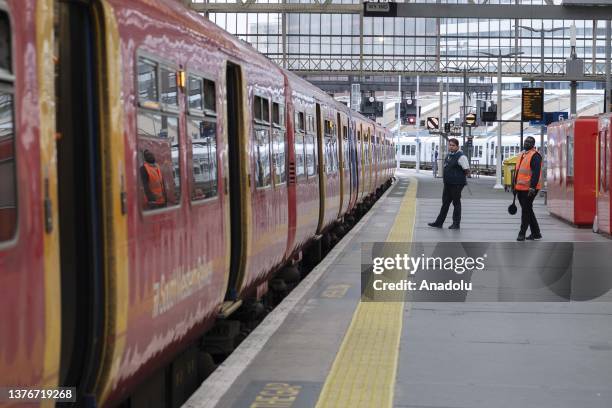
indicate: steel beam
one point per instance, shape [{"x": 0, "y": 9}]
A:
[
  {"x": 314, "y": 8},
  {"x": 334, "y": 86},
  {"x": 503, "y": 11},
  {"x": 423, "y": 10},
  {"x": 526, "y": 77}
]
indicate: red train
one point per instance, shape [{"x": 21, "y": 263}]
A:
[
  {"x": 571, "y": 163},
  {"x": 604, "y": 175},
  {"x": 579, "y": 171},
  {"x": 155, "y": 173}
]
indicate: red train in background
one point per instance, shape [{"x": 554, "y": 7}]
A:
[
  {"x": 572, "y": 164},
  {"x": 156, "y": 175},
  {"x": 604, "y": 175},
  {"x": 579, "y": 171}
]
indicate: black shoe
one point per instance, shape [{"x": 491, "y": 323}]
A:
[
  {"x": 454, "y": 226},
  {"x": 521, "y": 237},
  {"x": 434, "y": 224},
  {"x": 534, "y": 237}
]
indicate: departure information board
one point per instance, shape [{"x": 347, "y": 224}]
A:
[{"x": 532, "y": 104}]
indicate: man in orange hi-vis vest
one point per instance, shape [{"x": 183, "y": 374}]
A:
[
  {"x": 152, "y": 182},
  {"x": 527, "y": 183}
]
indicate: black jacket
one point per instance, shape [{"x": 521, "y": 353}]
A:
[{"x": 453, "y": 172}]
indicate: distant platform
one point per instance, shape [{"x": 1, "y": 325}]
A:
[{"x": 323, "y": 347}]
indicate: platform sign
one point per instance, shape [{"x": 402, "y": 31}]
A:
[
  {"x": 550, "y": 117},
  {"x": 470, "y": 119},
  {"x": 379, "y": 9},
  {"x": 489, "y": 116},
  {"x": 532, "y": 104},
  {"x": 433, "y": 123}
]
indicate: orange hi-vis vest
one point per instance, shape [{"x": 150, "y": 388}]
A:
[
  {"x": 156, "y": 183},
  {"x": 523, "y": 175}
]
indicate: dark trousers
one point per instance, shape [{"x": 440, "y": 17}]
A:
[
  {"x": 528, "y": 218},
  {"x": 451, "y": 194}
]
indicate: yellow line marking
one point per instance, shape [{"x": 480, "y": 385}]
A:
[{"x": 363, "y": 373}]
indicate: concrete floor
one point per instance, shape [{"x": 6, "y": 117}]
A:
[
  {"x": 510, "y": 354},
  {"x": 452, "y": 355}
]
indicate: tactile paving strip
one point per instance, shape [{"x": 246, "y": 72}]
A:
[{"x": 363, "y": 373}]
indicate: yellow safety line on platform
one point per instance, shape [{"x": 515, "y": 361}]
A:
[{"x": 363, "y": 373}]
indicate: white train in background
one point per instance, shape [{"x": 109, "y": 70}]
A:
[{"x": 483, "y": 155}]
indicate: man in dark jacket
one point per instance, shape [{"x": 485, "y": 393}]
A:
[{"x": 456, "y": 169}]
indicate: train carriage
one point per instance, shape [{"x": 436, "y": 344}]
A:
[
  {"x": 483, "y": 153},
  {"x": 301, "y": 119},
  {"x": 181, "y": 171},
  {"x": 604, "y": 174},
  {"x": 571, "y": 169},
  {"x": 29, "y": 231}
]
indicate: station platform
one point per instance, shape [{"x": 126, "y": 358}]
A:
[{"x": 323, "y": 347}]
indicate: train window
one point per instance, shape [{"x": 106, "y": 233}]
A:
[
  {"x": 329, "y": 146},
  {"x": 310, "y": 124},
  {"x": 261, "y": 109},
  {"x": 311, "y": 156},
  {"x": 265, "y": 110},
  {"x": 203, "y": 134},
  {"x": 147, "y": 81},
  {"x": 278, "y": 144},
  {"x": 8, "y": 179},
  {"x": 300, "y": 163},
  {"x": 8, "y": 183},
  {"x": 607, "y": 161},
  {"x": 275, "y": 113},
  {"x": 262, "y": 157},
  {"x": 345, "y": 147},
  {"x": 169, "y": 88},
  {"x": 570, "y": 154},
  {"x": 210, "y": 96},
  {"x": 278, "y": 114},
  {"x": 300, "y": 121},
  {"x": 158, "y": 159},
  {"x": 412, "y": 150},
  {"x": 196, "y": 90},
  {"x": 5, "y": 44},
  {"x": 257, "y": 108},
  {"x": 278, "y": 156}
]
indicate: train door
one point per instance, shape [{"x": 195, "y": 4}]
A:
[
  {"x": 238, "y": 179},
  {"x": 320, "y": 166},
  {"x": 80, "y": 195},
  {"x": 354, "y": 166},
  {"x": 369, "y": 162},
  {"x": 362, "y": 161},
  {"x": 346, "y": 167},
  {"x": 341, "y": 160}
]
